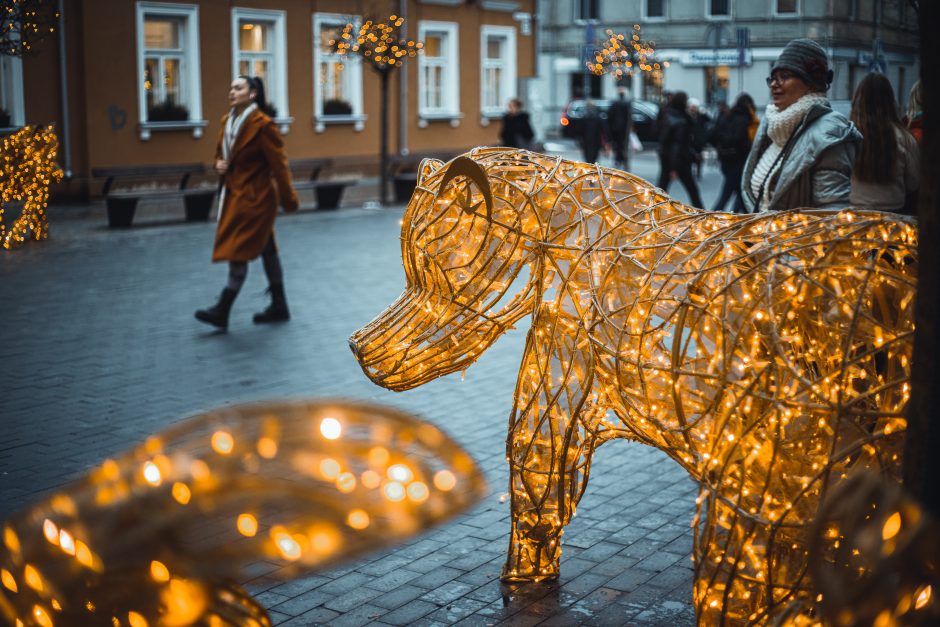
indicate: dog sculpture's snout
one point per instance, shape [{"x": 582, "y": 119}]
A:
[{"x": 354, "y": 348}]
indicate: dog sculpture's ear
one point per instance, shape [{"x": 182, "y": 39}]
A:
[
  {"x": 427, "y": 168},
  {"x": 465, "y": 166}
]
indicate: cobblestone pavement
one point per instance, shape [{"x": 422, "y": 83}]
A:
[{"x": 99, "y": 349}]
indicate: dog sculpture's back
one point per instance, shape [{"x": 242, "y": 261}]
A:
[{"x": 768, "y": 354}]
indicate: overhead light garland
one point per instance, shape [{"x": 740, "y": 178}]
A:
[
  {"x": 622, "y": 55},
  {"x": 161, "y": 534},
  {"x": 378, "y": 43},
  {"x": 27, "y": 170},
  {"x": 23, "y": 23},
  {"x": 767, "y": 354}
]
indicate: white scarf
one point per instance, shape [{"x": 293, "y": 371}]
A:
[
  {"x": 233, "y": 126},
  {"x": 780, "y": 126}
]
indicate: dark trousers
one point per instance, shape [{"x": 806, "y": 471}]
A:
[
  {"x": 731, "y": 187},
  {"x": 619, "y": 145},
  {"x": 684, "y": 174}
]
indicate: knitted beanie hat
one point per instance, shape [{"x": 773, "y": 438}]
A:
[{"x": 808, "y": 60}]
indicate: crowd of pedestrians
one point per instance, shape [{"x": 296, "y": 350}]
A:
[{"x": 802, "y": 154}]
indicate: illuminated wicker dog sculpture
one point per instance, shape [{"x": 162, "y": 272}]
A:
[{"x": 769, "y": 355}]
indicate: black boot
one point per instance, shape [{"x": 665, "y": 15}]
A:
[
  {"x": 217, "y": 315},
  {"x": 277, "y": 311}
]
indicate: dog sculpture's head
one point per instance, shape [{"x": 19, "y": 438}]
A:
[{"x": 463, "y": 248}]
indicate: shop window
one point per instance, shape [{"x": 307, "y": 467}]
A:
[
  {"x": 168, "y": 56},
  {"x": 12, "y": 111},
  {"x": 338, "y": 79},
  {"x": 259, "y": 49},
  {"x": 717, "y": 80},
  {"x": 497, "y": 68}
]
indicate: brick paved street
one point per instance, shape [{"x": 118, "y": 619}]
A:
[{"x": 99, "y": 349}]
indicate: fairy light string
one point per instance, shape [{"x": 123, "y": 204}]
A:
[
  {"x": 622, "y": 54},
  {"x": 768, "y": 354},
  {"x": 377, "y": 42},
  {"x": 27, "y": 170}
]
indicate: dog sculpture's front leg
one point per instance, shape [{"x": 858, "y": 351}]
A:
[{"x": 549, "y": 446}]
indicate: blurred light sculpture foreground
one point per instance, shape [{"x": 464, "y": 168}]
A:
[
  {"x": 159, "y": 535},
  {"x": 27, "y": 168},
  {"x": 885, "y": 556},
  {"x": 768, "y": 354}
]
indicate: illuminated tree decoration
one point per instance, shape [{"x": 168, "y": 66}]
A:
[
  {"x": 28, "y": 168},
  {"x": 23, "y": 23},
  {"x": 768, "y": 354},
  {"x": 160, "y": 534},
  {"x": 622, "y": 56},
  {"x": 379, "y": 43}
]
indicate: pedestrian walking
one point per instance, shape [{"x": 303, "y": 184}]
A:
[
  {"x": 676, "y": 149},
  {"x": 250, "y": 159},
  {"x": 886, "y": 173},
  {"x": 701, "y": 126},
  {"x": 516, "y": 131},
  {"x": 803, "y": 153},
  {"x": 732, "y": 140},
  {"x": 915, "y": 113},
  {"x": 620, "y": 124},
  {"x": 592, "y": 137}
]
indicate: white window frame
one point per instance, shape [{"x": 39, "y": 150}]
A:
[
  {"x": 11, "y": 76},
  {"x": 450, "y": 74},
  {"x": 578, "y": 7},
  {"x": 352, "y": 77},
  {"x": 190, "y": 79},
  {"x": 644, "y": 12},
  {"x": 721, "y": 16},
  {"x": 508, "y": 64},
  {"x": 276, "y": 86},
  {"x": 775, "y": 13}
]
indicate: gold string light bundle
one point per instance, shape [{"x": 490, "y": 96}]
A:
[
  {"x": 767, "y": 354},
  {"x": 621, "y": 55},
  {"x": 161, "y": 534},
  {"x": 884, "y": 568},
  {"x": 377, "y": 42},
  {"x": 27, "y": 170}
]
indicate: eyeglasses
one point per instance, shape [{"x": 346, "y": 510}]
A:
[{"x": 779, "y": 77}]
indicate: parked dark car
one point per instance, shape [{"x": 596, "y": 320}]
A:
[{"x": 644, "y": 118}]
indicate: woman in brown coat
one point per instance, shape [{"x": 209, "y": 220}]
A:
[{"x": 250, "y": 158}]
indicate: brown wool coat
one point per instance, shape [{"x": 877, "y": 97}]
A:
[{"x": 257, "y": 161}]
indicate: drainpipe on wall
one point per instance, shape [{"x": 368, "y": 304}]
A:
[
  {"x": 64, "y": 86},
  {"x": 403, "y": 85}
]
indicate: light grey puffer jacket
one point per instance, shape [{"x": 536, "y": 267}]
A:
[{"x": 817, "y": 163}]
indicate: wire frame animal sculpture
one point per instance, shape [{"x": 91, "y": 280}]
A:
[
  {"x": 769, "y": 354},
  {"x": 885, "y": 556},
  {"x": 161, "y": 534}
]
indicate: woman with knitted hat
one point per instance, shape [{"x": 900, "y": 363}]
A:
[{"x": 803, "y": 153}]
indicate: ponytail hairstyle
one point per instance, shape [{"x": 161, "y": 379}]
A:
[
  {"x": 875, "y": 113},
  {"x": 256, "y": 85}
]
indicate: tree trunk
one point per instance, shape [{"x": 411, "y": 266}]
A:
[{"x": 922, "y": 449}]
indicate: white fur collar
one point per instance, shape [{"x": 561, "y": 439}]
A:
[{"x": 781, "y": 124}]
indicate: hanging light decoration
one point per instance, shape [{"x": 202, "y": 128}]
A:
[
  {"x": 622, "y": 55},
  {"x": 767, "y": 354},
  {"x": 160, "y": 535},
  {"x": 27, "y": 168},
  {"x": 23, "y": 23},
  {"x": 377, "y": 42}
]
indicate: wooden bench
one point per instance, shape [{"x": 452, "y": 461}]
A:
[
  {"x": 306, "y": 174},
  {"x": 403, "y": 170},
  {"x": 122, "y": 202}
]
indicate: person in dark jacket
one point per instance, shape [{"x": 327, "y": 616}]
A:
[
  {"x": 675, "y": 148},
  {"x": 731, "y": 139},
  {"x": 516, "y": 131},
  {"x": 620, "y": 123},
  {"x": 804, "y": 151},
  {"x": 592, "y": 133}
]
